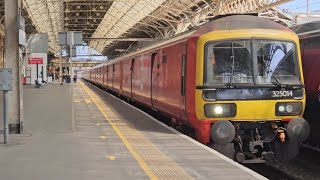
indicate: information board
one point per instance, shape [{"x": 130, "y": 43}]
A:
[
  {"x": 5, "y": 79},
  {"x": 35, "y": 61}
]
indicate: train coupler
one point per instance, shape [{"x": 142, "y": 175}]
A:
[{"x": 281, "y": 135}]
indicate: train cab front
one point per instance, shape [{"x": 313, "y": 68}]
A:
[{"x": 249, "y": 87}]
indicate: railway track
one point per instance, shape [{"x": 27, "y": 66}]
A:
[
  {"x": 270, "y": 172},
  {"x": 310, "y": 147},
  {"x": 305, "y": 167}
]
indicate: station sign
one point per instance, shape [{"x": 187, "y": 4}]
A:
[
  {"x": 5, "y": 79},
  {"x": 73, "y": 38},
  {"x": 35, "y": 61},
  {"x": 37, "y": 43}
]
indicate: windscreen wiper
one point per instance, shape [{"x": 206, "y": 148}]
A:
[
  {"x": 280, "y": 84},
  {"x": 230, "y": 84}
]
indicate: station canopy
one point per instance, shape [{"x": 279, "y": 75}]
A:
[{"x": 114, "y": 26}]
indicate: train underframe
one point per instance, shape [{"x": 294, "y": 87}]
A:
[{"x": 259, "y": 142}]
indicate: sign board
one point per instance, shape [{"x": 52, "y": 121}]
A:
[
  {"x": 5, "y": 79},
  {"x": 22, "y": 34},
  {"x": 22, "y": 23},
  {"x": 35, "y": 61},
  {"x": 65, "y": 37},
  {"x": 62, "y": 37},
  {"x": 22, "y": 38},
  {"x": 77, "y": 36},
  {"x": 38, "y": 43}
]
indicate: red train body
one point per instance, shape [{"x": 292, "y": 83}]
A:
[
  {"x": 309, "y": 35},
  {"x": 154, "y": 79}
]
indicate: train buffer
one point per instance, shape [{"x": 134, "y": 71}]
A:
[{"x": 97, "y": 136}]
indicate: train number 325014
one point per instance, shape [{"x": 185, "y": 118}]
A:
[{"x": 282, "y": 93}]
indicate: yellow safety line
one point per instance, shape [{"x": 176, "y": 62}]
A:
[{"x": 139, "y": 159}]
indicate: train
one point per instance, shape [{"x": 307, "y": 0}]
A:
[
  {"x": 309, "y": 35},
  {"x": 236, "y": 82}
]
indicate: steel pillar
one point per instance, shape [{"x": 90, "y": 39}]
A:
[
  {"x": 60, "y": 67},
  {"x": 13, "y": 60}
]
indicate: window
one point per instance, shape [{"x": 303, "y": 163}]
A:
[
  {"x": 229, "y": 62},
  {"x": 277, "y": 62}
]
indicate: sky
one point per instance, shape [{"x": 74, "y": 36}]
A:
[
  {"x": 85, "y": 53},
  {"x": 301, "y": 5}
]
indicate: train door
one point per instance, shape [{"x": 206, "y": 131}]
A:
[
  {"x": 112, "y": 76},
  {"x": 104, "y": 75},
  {"x": 100, "y": 75},
  {"x": 107, "y": 74},
  {"x": 154, "y": 77},
  {"x": 183, "y": 58},
  {"x": 131, "y": 76}
]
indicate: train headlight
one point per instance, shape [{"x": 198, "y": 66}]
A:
[
  {"x": 288, "y": 109},
  {"x": 220, "y": 110},
  {"x": 282, "y": 108}
]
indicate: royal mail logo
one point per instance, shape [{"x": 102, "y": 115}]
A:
[{"x": 35, "y": 61}]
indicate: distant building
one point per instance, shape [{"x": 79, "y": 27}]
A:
[{"x": 301, "y": 18}]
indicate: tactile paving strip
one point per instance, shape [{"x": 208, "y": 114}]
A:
[{"x": 154, "y": 162}]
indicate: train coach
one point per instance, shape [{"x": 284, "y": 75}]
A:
[
  {"x": 309, "y": 35},
  {"x": 237, "y": 82}
]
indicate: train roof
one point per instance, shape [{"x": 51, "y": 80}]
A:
[
  {"x": 238, "y": 22},
  {"x": 233, "y": 22},
  {"x": 307, "y": 28}
]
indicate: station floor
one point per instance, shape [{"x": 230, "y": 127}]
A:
[{"x": 97, "y": 136}]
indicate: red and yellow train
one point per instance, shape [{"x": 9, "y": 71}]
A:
[{"x": 237, "y": 82}]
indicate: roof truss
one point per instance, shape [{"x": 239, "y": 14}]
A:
[{"x": 112, "y": 19}]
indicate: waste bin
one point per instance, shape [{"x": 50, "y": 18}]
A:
[{"x": 68, "y": 79}]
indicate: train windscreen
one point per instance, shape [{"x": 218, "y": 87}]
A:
[
  {"x": 277, "y": 62},
  {"x": 248, "y": 61},
  {"x": 229, "y": 61}
]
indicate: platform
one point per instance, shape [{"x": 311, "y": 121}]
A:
[{"x": 105, "y": 138}]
